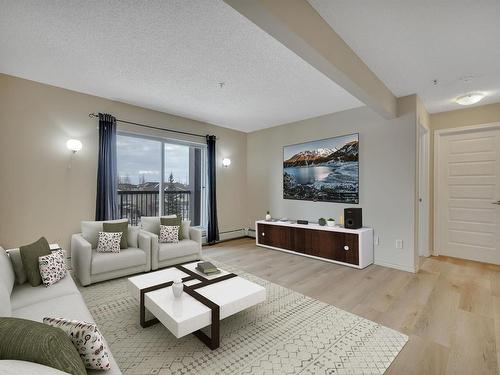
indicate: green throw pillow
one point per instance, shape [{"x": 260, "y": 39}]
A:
[
  {"x": 118, "y": 227},
  {"x": 27, "y": 340},
  {"x": 171, "y": 222},
  {"x": 29, "y": 255}
]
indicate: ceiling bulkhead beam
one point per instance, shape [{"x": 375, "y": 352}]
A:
[{"x": 298, "y": 26}]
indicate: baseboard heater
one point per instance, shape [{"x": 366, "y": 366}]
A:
[{"x": 227, "y": 235}]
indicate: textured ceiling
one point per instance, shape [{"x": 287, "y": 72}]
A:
[
  {"x": 409, "y": 43},
  {"x": 166, "y": 55}
]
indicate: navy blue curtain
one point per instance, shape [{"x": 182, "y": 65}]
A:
[
  {"x": 107, "y": 201},
  {"x": 213, "y": 226}
]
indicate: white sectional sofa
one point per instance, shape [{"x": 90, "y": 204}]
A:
[{"x": 62, "y": 299}]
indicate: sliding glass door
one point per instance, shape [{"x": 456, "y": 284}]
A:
[{"x": 161, "y": 177}]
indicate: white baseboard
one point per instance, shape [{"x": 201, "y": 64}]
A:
[{"x": 396, "y": 266}]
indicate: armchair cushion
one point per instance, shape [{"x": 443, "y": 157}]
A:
[
  {"x": 179, "y": 249},
  {"x": 186, "y": 224},
  {"x": 172, "y": 222},
  {"x": 106, "y": 262},
  {"x": 118, "y": 227},
  {"x": 91, "y": 229},
  {"x": 109, "y": 242},
  {"x": 152, "y": 223}
]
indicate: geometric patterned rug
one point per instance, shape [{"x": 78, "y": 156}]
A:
[{"x": 289, "y": 333}]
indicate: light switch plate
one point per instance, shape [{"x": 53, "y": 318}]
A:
[{"x": 399, "y": 244}]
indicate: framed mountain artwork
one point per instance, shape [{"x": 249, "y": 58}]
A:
[{"x": 326, "y": 170}]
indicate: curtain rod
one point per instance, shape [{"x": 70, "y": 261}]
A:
[{"x": 95, "y": 115}]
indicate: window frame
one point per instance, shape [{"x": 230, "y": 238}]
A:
[{"x": 204, "y": 169}]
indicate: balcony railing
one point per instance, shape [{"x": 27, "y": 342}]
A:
[{"x": 134, "y": 204}]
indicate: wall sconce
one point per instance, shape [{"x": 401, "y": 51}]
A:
[
  {"x": 226, "y": 162},
  {"x": 74, "y": 145}
]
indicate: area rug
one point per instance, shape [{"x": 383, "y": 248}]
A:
[{"x": 288, "y": 334}]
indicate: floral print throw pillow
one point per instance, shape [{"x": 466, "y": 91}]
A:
[
  {"x": 109, "y": 242},
  {"x": 169, "y": 234},
  {"x": 87, "y": 340},
  {"x": 52, "y": 267}
]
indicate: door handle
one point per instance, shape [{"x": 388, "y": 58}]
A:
[{"x": 497, "y": 202}]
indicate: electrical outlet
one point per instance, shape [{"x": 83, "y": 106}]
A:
[
  {"x": 377, "y": 240},
  {"x": 399, "y": 244}
]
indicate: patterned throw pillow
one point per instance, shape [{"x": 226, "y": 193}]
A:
[
  {"x": 87, "y": 340},
  {"x": 52, "y": 267},
  {"x": 109, "y": 242},
  {"x": 169, "y": 233}
]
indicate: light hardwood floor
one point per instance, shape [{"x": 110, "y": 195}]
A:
[{"x": 450, "y": 309}]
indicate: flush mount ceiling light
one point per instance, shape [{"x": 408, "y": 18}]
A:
[
  {"x": 469, "y": 99},
  {"x": 226, "y": 162}
]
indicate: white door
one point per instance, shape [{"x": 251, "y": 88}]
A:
[{"x": 468, "y": 193}]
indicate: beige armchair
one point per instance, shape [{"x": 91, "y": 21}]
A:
[
  {"x": 167, "y": 254},
  {"x": 90, "y": 266}
]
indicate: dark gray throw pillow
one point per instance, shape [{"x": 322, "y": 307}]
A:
[
  {"x": 115, "y": 228},
  {"x": 29, "y": 255},
  {"x": 27, "y": 340}
]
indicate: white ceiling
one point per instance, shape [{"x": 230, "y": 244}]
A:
[
  {"x": 409, "y": 43},
  {"x": 168, "y": 56}
]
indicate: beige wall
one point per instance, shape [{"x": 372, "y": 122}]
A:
[
  {"x": 39, "y": 195},
  {"x": 484, "y": 114},
  {"x": 387, "y": 175}
]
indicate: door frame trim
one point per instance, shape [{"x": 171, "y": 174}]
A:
[
  {"x": 438, "y": 134},
  {"x": 423, "y": 210}
]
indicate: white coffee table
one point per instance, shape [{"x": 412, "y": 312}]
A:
[{"x": 206, "y": 300}]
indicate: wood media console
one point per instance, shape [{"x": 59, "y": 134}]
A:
[{"x": 350, "y": 247}]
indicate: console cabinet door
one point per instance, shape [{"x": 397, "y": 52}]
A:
[
  {"x": 351, "y": 248},
  {"x": 275, "y": 236}
]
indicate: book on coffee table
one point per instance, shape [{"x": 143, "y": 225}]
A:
[{"x": 207, "y": 268}]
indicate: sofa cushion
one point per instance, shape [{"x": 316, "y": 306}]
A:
[
  {"x": 31, "y": 341},
  {"x": 179, "y": 249},
  {"x": 25, "y": 295},
  {"x": 7, "y": 276},
  {"x": 87, "y": 340},
  {"x": 71, "y": 306},
  {"x": 17, "y": 265},
  {"x": 118, "y": 228},
  {"x": 152, "y": 223},
  {"x": 52, "y": 268},
  {"x": 105, "y": 262},
  {"x": 13, "y": 367},
  {"x": 5, "y": 307},
  {"x": 30, "y": 254},
  {"x": 91, "y": 229}
]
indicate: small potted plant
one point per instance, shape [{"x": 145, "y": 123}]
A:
[
  {"x": 330, "y": 222},
  {"x": 322, "y": 221},
  {"x": 268, "y": 216}
]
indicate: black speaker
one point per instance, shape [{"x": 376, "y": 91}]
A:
[{"x": 353, "y": 218}]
